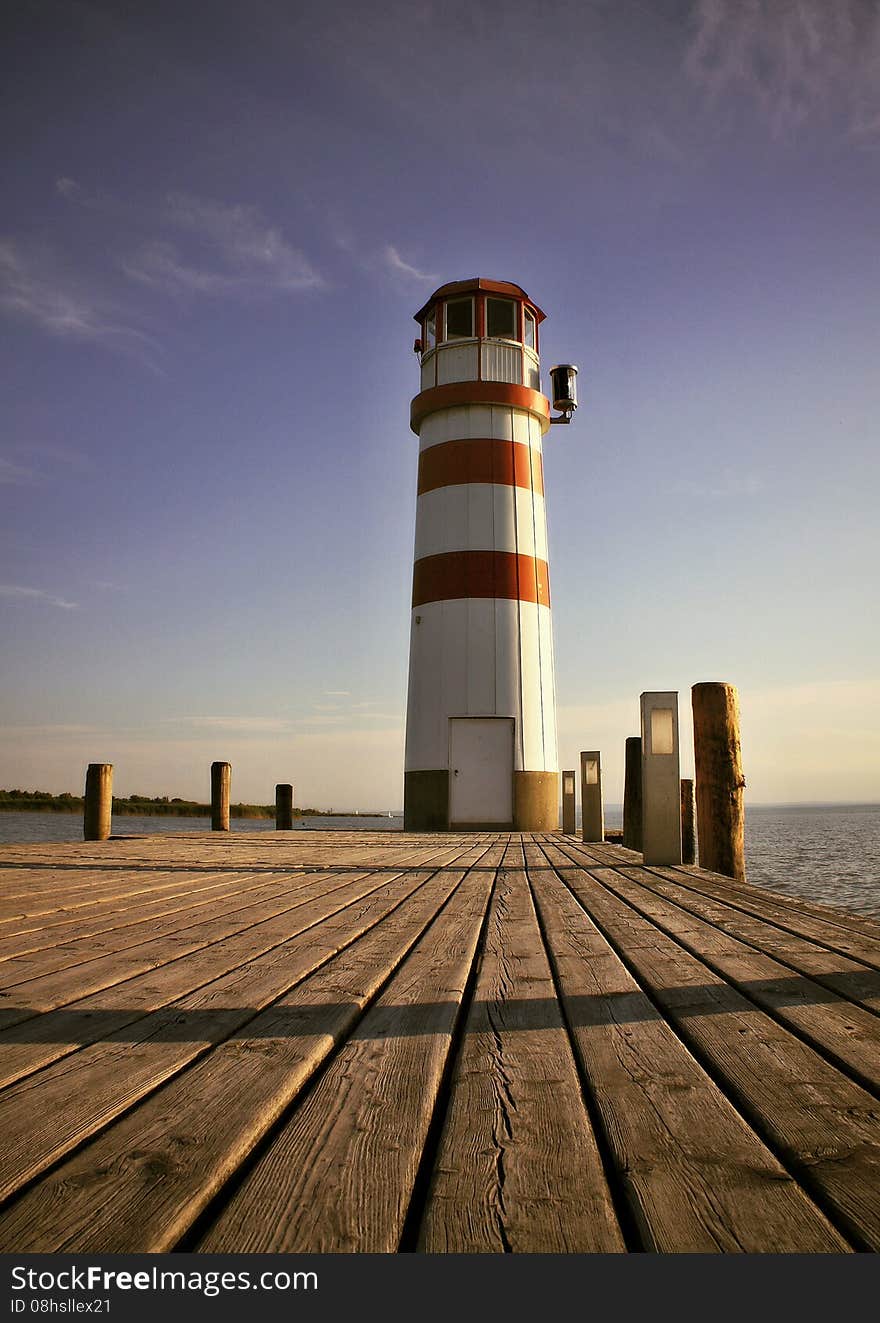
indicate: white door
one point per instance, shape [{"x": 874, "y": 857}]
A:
[{"x": 481, "y": 770}]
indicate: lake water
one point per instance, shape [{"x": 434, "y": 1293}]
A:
[
  {"x": 68, "y": 826},
  {"x": 830, "y": 854}
]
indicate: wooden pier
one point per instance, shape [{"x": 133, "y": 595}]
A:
[{"x": 338, "y": 1041}]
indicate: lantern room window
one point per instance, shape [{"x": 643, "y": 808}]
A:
[
  {"x": 530, "y": 337},
  {"x": 431, "y": 329},
  {"x": 459, "y": 319},
  {"x": 501, "y": 319}
]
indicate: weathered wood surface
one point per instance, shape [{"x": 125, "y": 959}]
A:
[{"x": 349, "y": 1042}]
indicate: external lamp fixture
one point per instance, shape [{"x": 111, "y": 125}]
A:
[{"x": 564, "y": 391}]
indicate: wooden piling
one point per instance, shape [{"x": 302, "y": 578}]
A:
[
  {"x": 98, "y": 806},
  {"x": 632, "y": 794},
  {"x": 221, "y": 780},
  {"x": 283, "y": 808},
  {"x": 688, "y": 841},
  {"x": 720, "y": 780}
]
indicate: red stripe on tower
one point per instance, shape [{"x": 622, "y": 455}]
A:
[
  {"x": 480, "y": 574},
  {"x": 479, "y": 392},
  {"x": 505, "y": 463}
]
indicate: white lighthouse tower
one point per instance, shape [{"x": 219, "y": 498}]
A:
[{"x": 481, "y": 710}]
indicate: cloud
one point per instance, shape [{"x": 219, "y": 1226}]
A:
[
  {"x": 853, "y": 697},
  {"x": 374, "y": 261},
  {"x": 60, "y": 728},
  {"x": 725, "y": 484},
  {"x": 14, "y": 472},
  {"x": 159, "y": 264},
  {"x": 16, "y": 475},
  {"x": 811, "y": 740},
  {"x": 242, "y": 727},
  {"x": 34, "y": 286},
  {"x": 396, "y": 263},
  {"x": 16, "y": 592},
  {"x": 229, "y": 248},
  {"x": 233, "y": 250},
  {"x": 233, "y": 724},
  {"x": 794, "y": 60}
]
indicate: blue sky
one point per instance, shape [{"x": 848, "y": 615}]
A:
[{"x": 218, "y": 221}]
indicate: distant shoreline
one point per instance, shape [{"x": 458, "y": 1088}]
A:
[{"x": 39, "y": 801}]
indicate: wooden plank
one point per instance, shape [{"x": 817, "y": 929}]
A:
[
  {"x": 773, "y": 905},
  {"x": 32, "y": 912},
  {"x": 80, "y": 1095},
  {"x": 39, "y": 903},
  {"x": 238, "y": 884},
  {"x": 120, "y": 919},
  {"x": 781, "y": 902},
  {"x": 35, "y": 1042},
  {"x": 193, "y": 855},
  {"x": 516, "y": 1171},
  {"x": 858, "y": 936},
  {"x": 44, "y": 928},
  {"x": 849, "y": 1035},
  {"x": 53, "y": 990},
  {"x": 140, "y": 1184},
  {"x": 513, "y": 855},
  {"x": 855, "y": 937},
  {"x": 821, "y": 1125},
  {"x": 695, "y": 1175},
  {"x": 84, "y": 950},
  {"x": 126, "y": 899},
  {"x": 847, "y": 978},
  {"x": 339, "y": 1175}
]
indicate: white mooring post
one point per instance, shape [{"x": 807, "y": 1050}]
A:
[
  {"x": 592, "y": 811},
  {"x": 661, "y": 788},
  {"x": 568, "y": 804}
]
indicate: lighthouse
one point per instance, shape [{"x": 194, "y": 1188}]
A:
[{"x": 481, "y": 708}]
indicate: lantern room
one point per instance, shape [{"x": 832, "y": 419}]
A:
[{"x": 479, "y": 330}]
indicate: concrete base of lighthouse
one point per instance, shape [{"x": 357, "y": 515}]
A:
[
  {"x": 535, "y": 801},
  {"x": 426, "y": 803}
]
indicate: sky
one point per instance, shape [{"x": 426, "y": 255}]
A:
[{"x": 218, "y": 221}]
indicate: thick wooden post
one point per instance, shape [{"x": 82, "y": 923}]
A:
[
  {"x": 221, "y": 780},
  {"x": 632, "y": 794},
  {"x": 592, "y": 809},
  {"x": 569, "y": 811},
  {"x": 688, "y": 842},
  {"x": 98, "y": 802},
  {"x": 720, "y": 780},
  {"x": 283, "y": 808}
]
